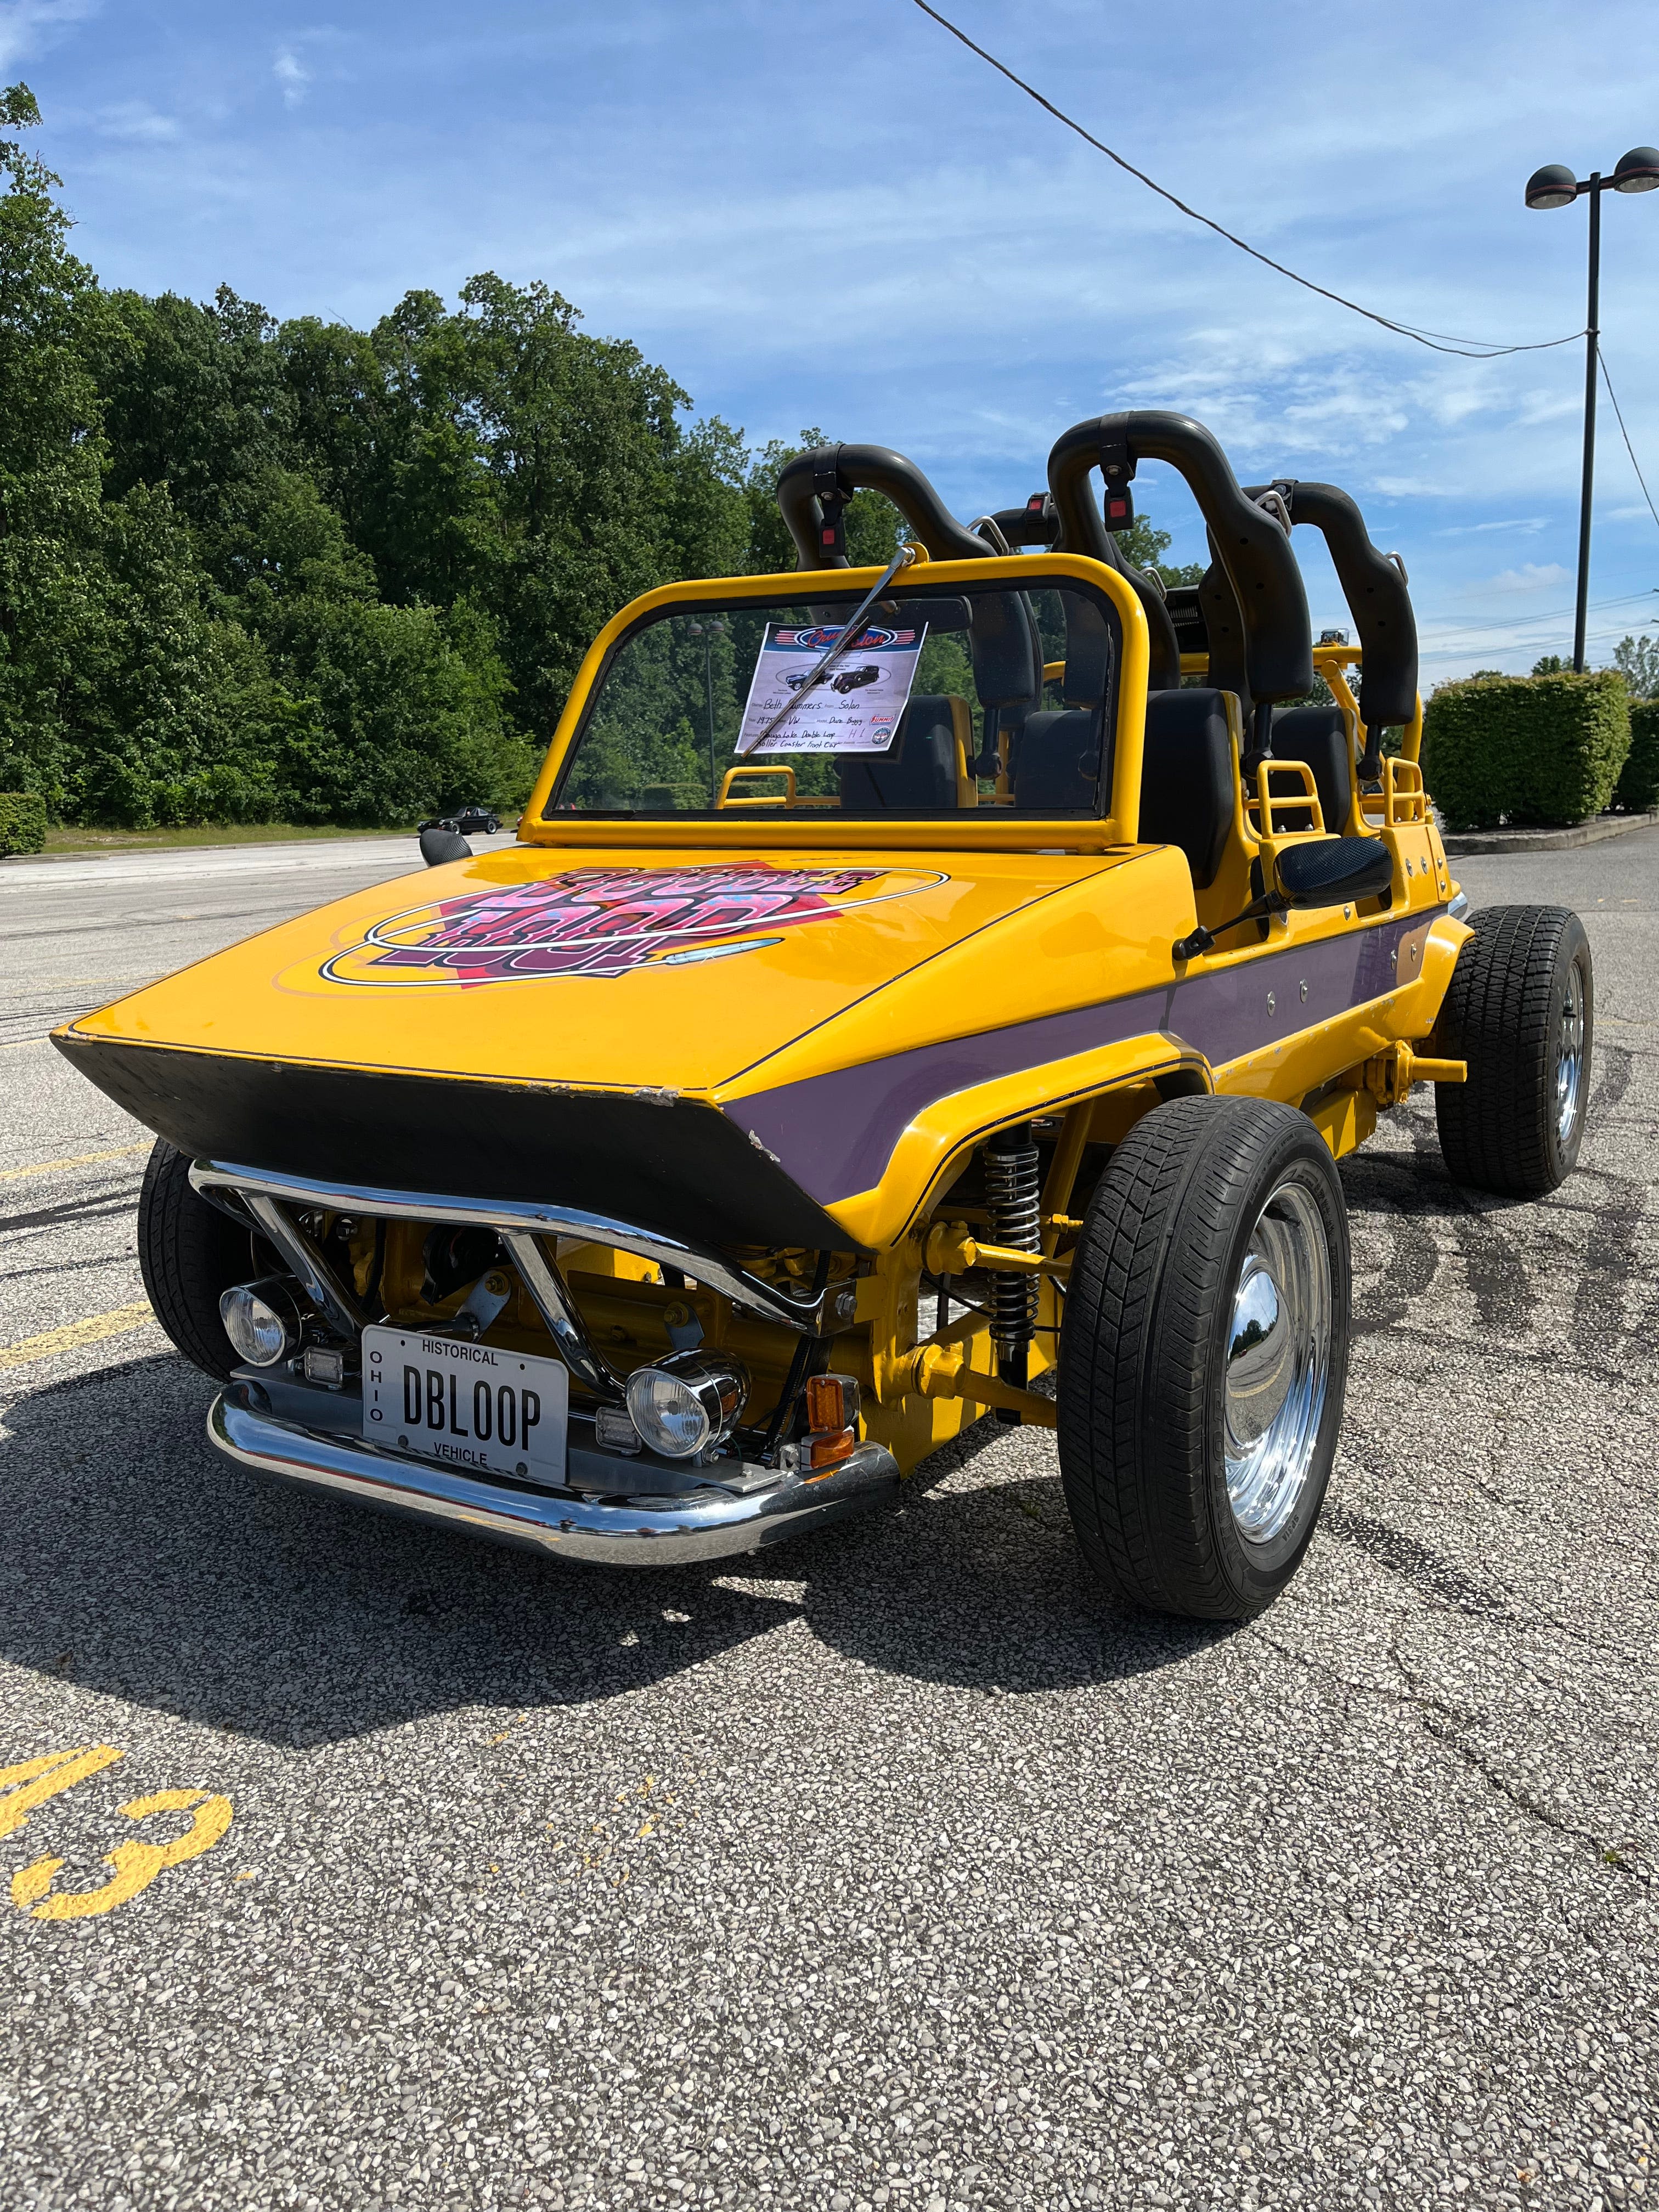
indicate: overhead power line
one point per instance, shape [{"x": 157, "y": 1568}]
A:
[
  {"x": 1625, "y": 435},
  {"x": 1436, "y": 341},
  {"x": 1477, "y": 621}
]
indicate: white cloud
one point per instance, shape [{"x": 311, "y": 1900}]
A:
[
  {"x": 1527, "y": 522},
  {"x": 27, "y": 25},
  {"x": 1393, "y": 486},
  {"x": 1531, "y": 576},
  {"x": 133, "y": 120},
  {"x": 292, "y": 75}
]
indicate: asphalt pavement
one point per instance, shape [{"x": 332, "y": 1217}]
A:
[{"x": 909, "y": 1872}]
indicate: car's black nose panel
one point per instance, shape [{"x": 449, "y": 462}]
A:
[{"x": 662, "y": 1163}]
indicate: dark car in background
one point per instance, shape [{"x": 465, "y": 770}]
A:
[{"x": 477, "y": 821}]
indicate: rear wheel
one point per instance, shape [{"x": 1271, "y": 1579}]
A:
[
  {"x": 189, "y": 1253},
  {"x": 1521, "y": 1011},
  {"x": 1203, "y": 1357}
]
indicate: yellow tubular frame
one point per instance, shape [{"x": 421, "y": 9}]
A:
[
  {"x": 1330, "y": 662},
  {"x": 748, "y": 769},
  {"x": 986, "y": 829}
]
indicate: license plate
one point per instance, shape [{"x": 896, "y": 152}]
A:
[{"x": 468, "y": 1405}]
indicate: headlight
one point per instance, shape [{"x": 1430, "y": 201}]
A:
[
  {"x": 686, "y": 1402},
  {"x": 262, "y": 1319}
]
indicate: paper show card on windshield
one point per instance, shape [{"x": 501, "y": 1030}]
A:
[{"x": 855, "y": 709}]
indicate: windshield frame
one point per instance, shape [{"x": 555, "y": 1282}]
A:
[{"x": 997, "y": 829}]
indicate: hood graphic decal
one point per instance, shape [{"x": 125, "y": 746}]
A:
[{"x": 607, "y": 922}]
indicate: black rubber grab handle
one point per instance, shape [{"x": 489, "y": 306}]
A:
[{"x": 1250, "y": 546}]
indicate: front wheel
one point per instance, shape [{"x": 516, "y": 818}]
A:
[
  {"x": 189, "y": 1253},
  {"x": 1203, "y": 1357}
]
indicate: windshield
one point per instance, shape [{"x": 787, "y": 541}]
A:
[{"x": 938, "y": 704}]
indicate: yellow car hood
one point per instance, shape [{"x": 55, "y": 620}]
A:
[
  {"x": 637, "y": 969},
  {"x": 727, "y": 1046}
]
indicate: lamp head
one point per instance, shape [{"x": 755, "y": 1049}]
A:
[
  {"x": 1638, "y": 171},
  {"x": 1552, "y": 187}
]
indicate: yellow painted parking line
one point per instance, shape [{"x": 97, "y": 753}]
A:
[
  {"x": 81, "y": 1160},
  {"x": 92, "y": 1331},
  {"x": 33, "y": 1781}
]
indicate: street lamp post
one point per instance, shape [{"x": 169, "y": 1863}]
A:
[{"x": 1553, "y": 187}]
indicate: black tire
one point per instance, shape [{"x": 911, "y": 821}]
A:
[
  {"x": 1508, "y": 1013},
  {"x": 1145, "y": 1354},
  {"x": 189, "y": 1253}
]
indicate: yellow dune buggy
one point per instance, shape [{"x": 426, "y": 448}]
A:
[{"x": 825, "y": 1064}]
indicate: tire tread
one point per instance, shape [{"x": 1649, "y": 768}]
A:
[
  {"x": 188, "y": 1253},
  {"x": 1496, "y": 1129},
  {"x": 1135, "y": 1375}
]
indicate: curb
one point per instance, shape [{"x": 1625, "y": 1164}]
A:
[
  {"x": 167, "y": 851},
  {"x": 1547, "y": 840}
]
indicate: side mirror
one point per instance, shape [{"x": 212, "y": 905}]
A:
[
  {"x": 441, "y": 841},
  {"x": 1335, "y": 872},
  {"x": 1325, "y": 871}
]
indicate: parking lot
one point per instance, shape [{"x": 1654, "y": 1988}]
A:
[{"x": 905, "y": 1872}]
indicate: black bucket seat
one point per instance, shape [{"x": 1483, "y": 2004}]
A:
[
  {"x": 918, "y": 776},
  {"x": 1317, "y": 737},
  {"x": 1187, "y": 779}
]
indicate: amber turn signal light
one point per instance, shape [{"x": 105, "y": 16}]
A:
[
  {"x": 832, "y": 1402},
  {"x": 832, "y": 1418}
]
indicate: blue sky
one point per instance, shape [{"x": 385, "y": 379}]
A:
[{"x": 832, "y": 214}]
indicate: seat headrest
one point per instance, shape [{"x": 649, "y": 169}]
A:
[
  {"x": 918, "y": 775},
  {"x": 1187, "y": 778},
  {"x": 1057, "y": 762},
  {"x": 1088, "y": 652},
  {"x": 1003, "y": 643}
]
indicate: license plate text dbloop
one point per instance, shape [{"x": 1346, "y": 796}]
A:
[{"x": 465, "y": 1405}]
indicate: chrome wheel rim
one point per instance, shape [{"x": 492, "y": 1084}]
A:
[
  {"x": 1570, "y": 1054},
  {"x": 1278, "y": 1359}
]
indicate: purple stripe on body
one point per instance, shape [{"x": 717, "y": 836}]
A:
[{"x": 834, "y": 1134}]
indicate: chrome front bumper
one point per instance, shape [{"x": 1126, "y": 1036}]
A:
[{"x": 650, "y": 1532}]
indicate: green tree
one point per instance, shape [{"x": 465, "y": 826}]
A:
[
  {"x": 196, "y": 399},
  {"x": 345, "y": 416},
  {"x": 1637, "y": 660},
  {"x": 171, "y": 715},
  {"x": 542, "y": 473},
  {"x": 1144, "y": 546},
  {"x": 391, "y": 719},
  {"x": 52, "y": 583}
]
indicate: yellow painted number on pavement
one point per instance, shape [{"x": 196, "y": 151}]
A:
[
  {"x": 31, "y": 1781},
  {"x": 136, "y": 1864}
]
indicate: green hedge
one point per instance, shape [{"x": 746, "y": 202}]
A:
[
  {"x": 23, "y": 822},
  {"x": 1533, "y": 748},
  {"x": 1637, "y": 787}
]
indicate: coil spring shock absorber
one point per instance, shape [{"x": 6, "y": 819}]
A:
[{"x": 1014, "y": 1203}]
